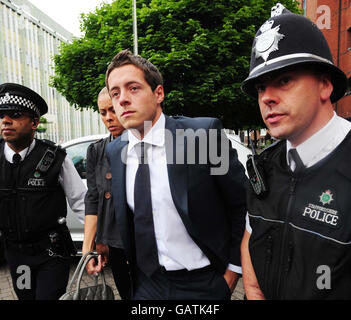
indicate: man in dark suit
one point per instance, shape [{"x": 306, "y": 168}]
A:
[{"x": 181, "y": 191}]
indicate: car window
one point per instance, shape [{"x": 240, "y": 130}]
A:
[{"x": 78, "y": 154}]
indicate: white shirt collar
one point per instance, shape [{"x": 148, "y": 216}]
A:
[
  {"x": 322, "y": 142},
  {"x": 9, "y": 152},
  {"x": 155, "y": 136}
]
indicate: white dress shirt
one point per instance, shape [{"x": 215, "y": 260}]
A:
[
  {"x": 322, "y": 143},
  {"x": 318, "y": 146},
  {"x": 176, "y": 249},
  {"x": 69, "y": 179}
]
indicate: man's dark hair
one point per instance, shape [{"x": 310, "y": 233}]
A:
[{"x": 152, "y": 76}]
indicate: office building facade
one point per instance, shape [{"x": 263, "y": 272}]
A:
[{"x": 28, "y": 41}]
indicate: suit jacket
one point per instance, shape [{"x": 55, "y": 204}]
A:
[{"x": 212, "y": 207}]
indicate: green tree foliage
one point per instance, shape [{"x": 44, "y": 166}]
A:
[{"x": 202, "y": 48}]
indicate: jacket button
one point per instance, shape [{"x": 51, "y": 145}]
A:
[
  {"x": 108, "y": 175},
  {"x": 107, "y": 195}
]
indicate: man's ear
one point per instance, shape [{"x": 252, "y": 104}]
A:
[
  {"x": 326, "y": 87},
  {"x": 159, "y": 93},
  {"x": 35, "y": 122}
]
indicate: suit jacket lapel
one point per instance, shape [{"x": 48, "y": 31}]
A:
[
  {"x": 177, "y": 169},
  {"x": 118, "y": 167}
]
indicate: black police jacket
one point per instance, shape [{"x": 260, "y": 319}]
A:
[
  {"x": 30, "y": 202},
  {"x": 300, "y": 244}
]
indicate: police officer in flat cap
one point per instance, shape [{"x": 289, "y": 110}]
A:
[
  {"x": 36, "y": 176},
  {"x": 298, "y": 233}
]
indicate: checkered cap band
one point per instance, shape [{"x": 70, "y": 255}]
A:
[{"x": 10, "y": 99}]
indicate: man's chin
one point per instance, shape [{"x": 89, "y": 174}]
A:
[
  {"x": 277, "y": 135},
  {"x": 8, "y": 137}
]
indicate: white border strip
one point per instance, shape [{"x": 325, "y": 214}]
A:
[{"x": 290, "y": 56}]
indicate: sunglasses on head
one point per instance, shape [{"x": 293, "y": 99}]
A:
[{"x": 13, "y": 114}]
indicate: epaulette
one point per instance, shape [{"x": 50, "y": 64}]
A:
[
  {"x": 49, "y": 142},
  {"x": 266, "y": 151},
  {"x": 52, "y": 145}
]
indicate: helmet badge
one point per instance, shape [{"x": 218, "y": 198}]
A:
[{"x": 267, "y": 41}]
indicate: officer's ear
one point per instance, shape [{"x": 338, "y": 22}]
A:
[
  {"x": 35, "y": 121},
  {"x": 326, "y": 87}
]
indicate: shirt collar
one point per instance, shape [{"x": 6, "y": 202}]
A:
[
  {"x": 9, "y": 152},
  {"x": 156, "y": 135},
  {"x": 310, "y": 148}
]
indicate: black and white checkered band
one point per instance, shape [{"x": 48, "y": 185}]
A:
[{"x": 10, "y": 99}]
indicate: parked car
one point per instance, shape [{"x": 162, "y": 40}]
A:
[{"x": 77, "y": 150}]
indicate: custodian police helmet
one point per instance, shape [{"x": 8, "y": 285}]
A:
[
  {"x": 14, "y": 96},
  {"x": 288, "y": 39}
]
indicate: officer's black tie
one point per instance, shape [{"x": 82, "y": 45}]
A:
[
  {"x": 16, "y": 159},
  {"x": 145, "y": 241},
  {"x": 296, "y": 158}
]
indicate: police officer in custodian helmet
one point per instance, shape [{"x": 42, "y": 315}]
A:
[
  {"x": 36, "y": 176},
  {"x": 298, "y": 236}
]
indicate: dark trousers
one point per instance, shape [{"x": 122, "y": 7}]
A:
[
  {"x": 206, "y": 285},
  {"x": 120, "y": 271},
  {"x": 38, "y": 277}
]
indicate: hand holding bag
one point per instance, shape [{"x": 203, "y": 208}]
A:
[{"x": 96, "y": 292}]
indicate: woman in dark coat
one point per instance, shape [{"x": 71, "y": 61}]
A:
[{"x": 99, "y": 210}]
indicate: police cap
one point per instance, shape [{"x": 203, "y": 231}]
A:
[
  {"x": 14, "y": 96},
  {"x": 288, "y": 39}
]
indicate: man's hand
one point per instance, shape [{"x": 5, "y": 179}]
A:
[{"x": 231, "y": 278}]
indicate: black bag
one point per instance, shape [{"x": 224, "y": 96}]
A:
[{"x": 95, "y": 292}]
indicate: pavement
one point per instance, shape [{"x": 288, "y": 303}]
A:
[{"x": 7, "y": 292}]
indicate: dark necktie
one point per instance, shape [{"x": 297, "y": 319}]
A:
[
  {"x": 298, "y": 162},
  {"x": 16, "y": 159},
  {"x": 145, "y": 241}
]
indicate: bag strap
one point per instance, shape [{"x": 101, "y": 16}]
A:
[
  {"x": 81, "y": 272},
  {"x": 82, "y": 259}
]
